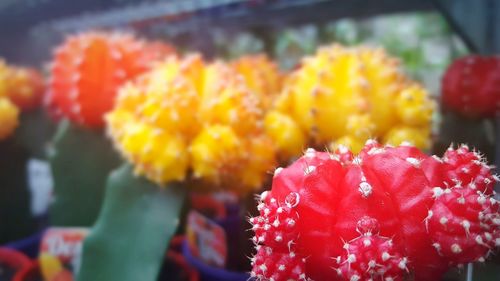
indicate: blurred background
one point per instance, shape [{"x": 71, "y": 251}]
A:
[{"x": 426, "y": 36}]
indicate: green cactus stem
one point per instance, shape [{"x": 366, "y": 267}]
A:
[
  {"x": 80, "y": 161},
  {"x": 131, "y": 236}
]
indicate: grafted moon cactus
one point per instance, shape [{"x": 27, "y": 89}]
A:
[
  {"x": 23, "y": 86},
  {"x": 188, "y": 120},
  {"x": 347, "y": 95},
  {"x": 471, "y": 86},
  {"x": 21, "y": 89},
  {"x": 88, "y": 68},
  {"x": 388, "y": 213}
]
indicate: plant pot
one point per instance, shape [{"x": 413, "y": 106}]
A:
[
  {"x": 228, "y": 216},
  {"x": 11, "y": 262},
  {"x": 29, "y": 246},
  {"x": 176, "y": 267},
  {"x": 30, "y": 273},
  {"x": 210, "y": 273}
]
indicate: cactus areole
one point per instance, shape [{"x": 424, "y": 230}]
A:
[
  {"x": 389, "y": 213},
  {"x": 471, "y": 86}
]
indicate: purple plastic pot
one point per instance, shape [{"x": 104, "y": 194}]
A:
[
  {"x": 210, "y": 273},
  {"x": 232, "y": 226},
  {"x": 29, "y": 245},
  {"x": 228, "y": 216}
]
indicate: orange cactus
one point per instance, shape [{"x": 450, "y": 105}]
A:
[
  {"x": 88, "y": 69},
  {"x": 25, "y": 87}
]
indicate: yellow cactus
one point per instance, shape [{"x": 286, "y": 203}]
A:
[
  {"x": 354, "y": 144},
  {"x": 260, "y": 159},
  {"x": 190, "y": 68},
  {"x": 9, "y": 114},
  {"x": 347, "y": 95},
  {"x": 216, "y": 153},
  {"x": 384, "y": 81},
  {"x": 324, "y": 92},
  {"x": 287, "y": 137},
  {"x": 414, "y": 107},
  {"x": 151, "y": 121},
  {"x": 185, "y": 117},
  {"x": 4, "y": 73},
  {"x": 261, "y": 76},
  {"x": 156, "y": 153},
  {"x": 419, "y": 137},
  {"x": 227, "y": 100},
  {"x": 169, "y": 106},
  {"x": 360, "y": 128}
]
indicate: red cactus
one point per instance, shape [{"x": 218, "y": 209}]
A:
[
  {"x": 88, "y": 69},
  {"x": 471, "y": 86},
  {"x": 388, "y": 213}
]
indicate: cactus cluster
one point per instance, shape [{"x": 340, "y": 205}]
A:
[
  {"x": 347, "y": 95},
  {"x": 21, "y": 89},
  {"x": 388, "y": 213},
  {"x": 191, "y": 120},
  {"x": 88, "y": 69}
]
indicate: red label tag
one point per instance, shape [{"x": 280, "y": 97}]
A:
[
  {"x": 207, "y": 240},
  {"x": 60, "y": 252}
]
